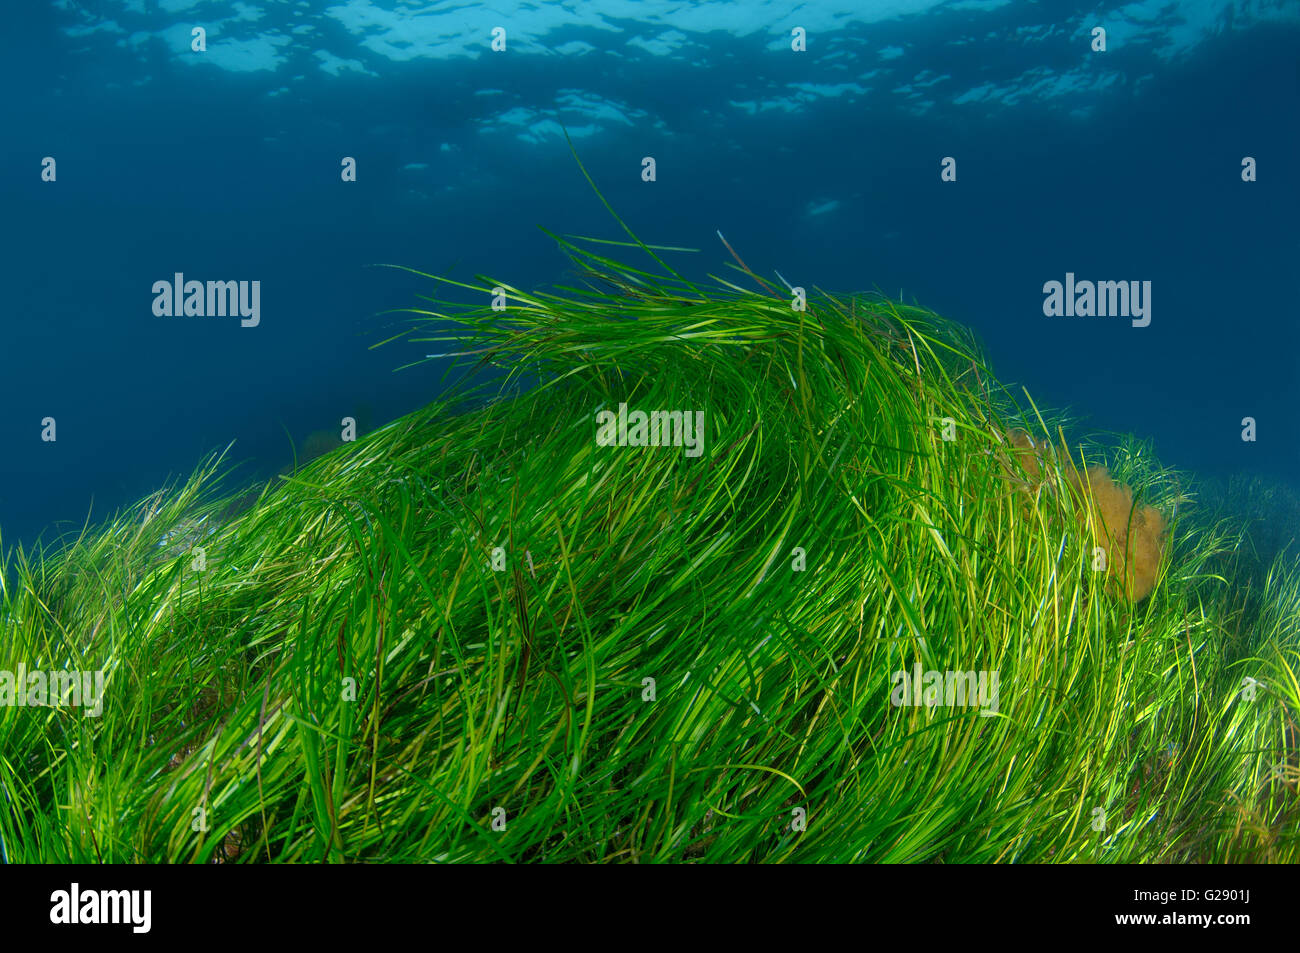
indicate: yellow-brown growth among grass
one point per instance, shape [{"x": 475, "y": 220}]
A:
[{"x": 1130, "y": 537}]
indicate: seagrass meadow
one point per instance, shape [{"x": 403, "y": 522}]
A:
[{"x": 477, "y": 634}]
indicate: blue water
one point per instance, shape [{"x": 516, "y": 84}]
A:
[{"x": 823, "y": 164}]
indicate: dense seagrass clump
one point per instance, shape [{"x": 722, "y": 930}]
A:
[{"x": 850, "y": 627}]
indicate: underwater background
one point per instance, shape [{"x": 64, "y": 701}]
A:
[{"x": 824, "y": 164}]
